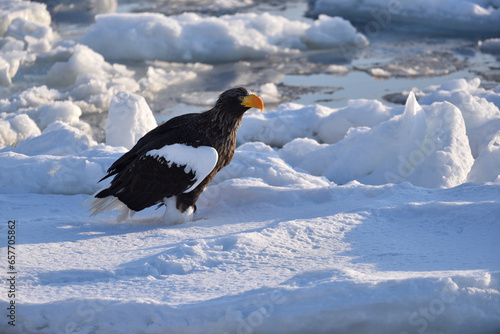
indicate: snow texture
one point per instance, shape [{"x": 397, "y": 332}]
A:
[
  {"x": 349, "y": 259},
  {"x": 200, "y": 160}
]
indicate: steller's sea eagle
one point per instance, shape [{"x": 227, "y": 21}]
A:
[{"x": 173, "y": 163}]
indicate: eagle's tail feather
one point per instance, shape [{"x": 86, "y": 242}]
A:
[{"x": 109, "y": 203}]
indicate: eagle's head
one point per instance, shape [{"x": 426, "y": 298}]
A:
[{"x": 236, "y": 101}]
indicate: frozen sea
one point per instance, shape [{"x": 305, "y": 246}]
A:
[{"x": 364, "y": 199}]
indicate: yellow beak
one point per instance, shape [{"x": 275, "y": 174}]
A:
[{"x": 253, "y": 101}]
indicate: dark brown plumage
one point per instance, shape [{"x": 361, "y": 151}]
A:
[{"x": 142, "y": 179}]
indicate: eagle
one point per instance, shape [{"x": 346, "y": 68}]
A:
[{"x": 173, "y": 164}]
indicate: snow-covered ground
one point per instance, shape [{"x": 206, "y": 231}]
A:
[{"x": 367, "y": 218}]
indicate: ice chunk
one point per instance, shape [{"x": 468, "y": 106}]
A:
[
  {"x": 30, "y": 11},
  {"x": 426, "y": 146},
  {"x": 269, "y": 93},
  {"x": 83, "y": 61},
  {"x": 58, "y": 139},
  {"x": 9, "y": 65},
  {"x": 158, "y": 78},
  {"x": 479, "y": 17},
  {"x": 481, "y": 116},
  {"x": 129, "y": 118},
  {"x": 47, "y": 174},
  {"x": 320, "y": 36},
  {"x": 289, "y": 121},
  {"x": 486, "y": 167},
  {"x": 31, "y": 98},
  {"x": 258, "y": 174},
  {"x": 90, "y": 79},
  {"x": 280, "y": 126},
  {"x": 190, "y": 37},
  {"x": 65, "y": 111},
  {"x": 360, "y": 112},
  {"x": 14, "y": 127}
]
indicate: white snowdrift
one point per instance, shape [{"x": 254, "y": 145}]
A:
[
  {"x": 480, "y": 17},
  {"x": 190, "y": 37}
]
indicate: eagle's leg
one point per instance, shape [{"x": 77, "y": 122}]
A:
[{"x": 174, "y": 214}]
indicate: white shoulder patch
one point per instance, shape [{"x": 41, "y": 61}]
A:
[{"x": 201, "y": 160}]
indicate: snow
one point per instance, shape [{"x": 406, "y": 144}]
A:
[
  {"x": 190, "y": 37},
  {"x": 367, "y": 218},
  {"x": 129, "y": 118},
  {"x": 458, "y": 17},
  {"x": 345, "y": 254},
  {"x": 200, "y": 160}
]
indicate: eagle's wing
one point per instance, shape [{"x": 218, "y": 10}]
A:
[
  {"x": 171, "y": 132},
  {"x": 159, "y": 173},
  {"x": 199, "y": 161}
]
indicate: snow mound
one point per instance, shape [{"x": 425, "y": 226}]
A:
[
  {"x": 258, "y": 175},
  {"x": 480, "y": 109},
  {"x": 486, "y": 167},
  {"x": 62, "y": 160},
  {"x": 280, "y": 126},
  {"x": 129, "y": 118},
  {"x": 290, "y": 121},
  {"x": 479, "y": 17},
  {"x": 425, "y": 146},
  {"x": 190, "y": 37},
  {"x": 30, "y": 121},
  {"x": 57, "y": 139}
]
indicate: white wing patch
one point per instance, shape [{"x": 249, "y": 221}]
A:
[{"x": 200, "y": 160}]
